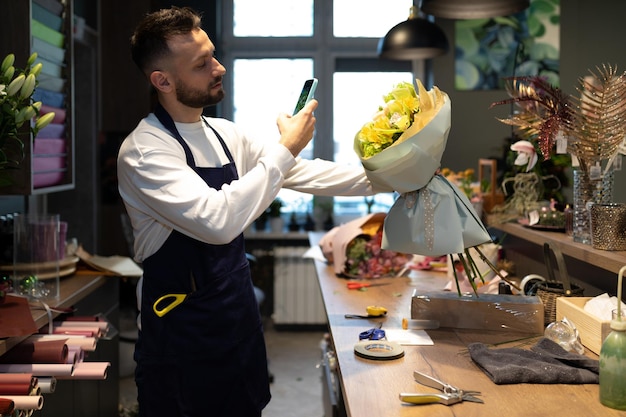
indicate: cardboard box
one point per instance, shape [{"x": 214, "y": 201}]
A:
[
  {"x": 486, "y": 312},
  {"x": 591, "y": 329}
]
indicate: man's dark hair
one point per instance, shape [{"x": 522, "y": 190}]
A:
[{"x": 149, "y": 42}]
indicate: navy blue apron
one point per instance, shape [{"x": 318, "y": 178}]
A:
[{"x": 206, "y": 356}]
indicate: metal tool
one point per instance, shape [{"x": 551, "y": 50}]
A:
[
  {"x": 372, "y": 313},
  {"x": 354, "y": 285},
  {"x": 450, "y": 394}
]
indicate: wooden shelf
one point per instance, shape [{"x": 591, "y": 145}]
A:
[
  {"x": 611, "y": 261},
  {"x": 72, "y": 290}
]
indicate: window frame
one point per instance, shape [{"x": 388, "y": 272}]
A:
[{"x": 329, "y": 55}]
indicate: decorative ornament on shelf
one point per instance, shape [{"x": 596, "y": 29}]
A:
[
  {"x": 591, "y": 127},
  {"x": 17, "y": 110}
]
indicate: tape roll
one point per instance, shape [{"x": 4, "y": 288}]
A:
[
  {"x": 382, "y": 350},
  {"x": 528, "y": 284}
]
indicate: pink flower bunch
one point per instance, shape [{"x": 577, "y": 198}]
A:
[{"x": 366, "y": 259}]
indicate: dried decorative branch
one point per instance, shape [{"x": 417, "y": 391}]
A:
[
  {"x": 594, "y": 123},
  {"x": 544, "y": 110},
  {"x": 598, "y": 124}
]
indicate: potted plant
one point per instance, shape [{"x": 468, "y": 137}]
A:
[
  {"x": 277, "y": 223},
  {"x": 19, "y": 113}
]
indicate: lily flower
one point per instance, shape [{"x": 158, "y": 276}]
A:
[{"x": 526, "y": 154}]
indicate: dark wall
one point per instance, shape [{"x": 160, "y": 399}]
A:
[
  {"x": 592, "y": 34},
  {"x": 126, "y": 96}
]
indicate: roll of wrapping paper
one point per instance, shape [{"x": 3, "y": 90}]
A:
[
  {"x": 86, "y": 343},
  {"x": 102, "y": 325},
  {"x": 73, "y": 332},
  {"x": 75, "y": 354},
  {"x": 7, "y": 406},
  {"x": 38, "y": 369},
  {"x": 17, "y": 383},
  {"x": 37, "y": 351},
  {"x": 89, "y": 330},
  {"x": 88, "y": 370},
  {"x": 26, "y": 402},
  {"x": 47, "y": 384}
]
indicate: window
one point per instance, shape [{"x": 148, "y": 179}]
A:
[{"x": 268, "y": 58}]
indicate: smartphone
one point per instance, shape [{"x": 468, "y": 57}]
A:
[{"x": 306, "y": 95}]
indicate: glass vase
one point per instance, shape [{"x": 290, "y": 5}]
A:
[{"x": 587, "y": 192}]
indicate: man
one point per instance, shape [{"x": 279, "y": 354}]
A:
[{"x": 191, "y": 185}]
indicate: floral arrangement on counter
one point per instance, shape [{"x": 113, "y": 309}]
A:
[
  {"x": 355, "y": 249},
  {"x": 18, "y": 108},
  {"x": 367, "y": 259},
  {"x": 401, "y": 149}
]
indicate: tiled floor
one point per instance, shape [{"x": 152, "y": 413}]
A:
[{"x": 293, "y": 361}]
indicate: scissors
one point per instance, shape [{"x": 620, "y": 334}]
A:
[
  {"x": 375, "y": 333},
  {"x": 354, "y": 285},
  {"x": 450, "y": 394},
  {"x": 176, "y": 299}
]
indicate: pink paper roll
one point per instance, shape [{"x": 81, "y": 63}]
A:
[
  {"x": 39, "y": 369},
  {"x": 26, "y": 402},
  {"x": 86, "y": 343},
  {"x": 88, "y": 370},
  {"x": 102, "y": 325}
]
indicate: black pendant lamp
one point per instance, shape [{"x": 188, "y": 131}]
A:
[
  {"x": 473, "y": 9},
  {"x": 415, "y": 38}
]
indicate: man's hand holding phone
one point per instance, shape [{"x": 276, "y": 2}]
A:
[
  {"x": 307, "y": 93},
  {"x": 297, "y": 131}
]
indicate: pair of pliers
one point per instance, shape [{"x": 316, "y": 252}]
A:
[{"x": 450, "y": 394}]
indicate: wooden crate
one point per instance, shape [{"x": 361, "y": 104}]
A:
[{"x": 592, "y": 330}]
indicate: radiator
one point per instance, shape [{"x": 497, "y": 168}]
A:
[{"x": 297, "y": 297}]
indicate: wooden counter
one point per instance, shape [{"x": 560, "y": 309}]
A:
[{"x": 370, "y": 388}]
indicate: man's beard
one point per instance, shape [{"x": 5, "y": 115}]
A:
[{"x": 196, "y": 98}]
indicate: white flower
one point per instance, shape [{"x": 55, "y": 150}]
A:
[{"x": 526, "y": 154}]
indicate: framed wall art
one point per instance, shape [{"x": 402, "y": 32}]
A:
[{"x": 526, "y": 43}]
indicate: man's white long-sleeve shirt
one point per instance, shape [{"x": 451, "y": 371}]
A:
[{"x": 161, "y": 192}]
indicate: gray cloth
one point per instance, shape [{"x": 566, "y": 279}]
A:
[{"x": 544, "y": 363}]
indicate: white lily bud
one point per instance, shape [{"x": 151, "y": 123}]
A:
[
  {"x": 31, "y": 59},
  {"x": 8, "y": 74},
  {"x": 20, "y": 117},
  {"x": 28, "y": 87},
  {"x": 37, "y": 106},
  {"x": 7, "y": 62},
  {"x": 36, "y": 70},
  {"x": 16, "y": 85},
  {"x": 44, "y": 121}
]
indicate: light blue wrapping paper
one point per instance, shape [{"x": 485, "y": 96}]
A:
[
  {"x": 434, "y": 221},
  {"x": 432, "y": 217}
]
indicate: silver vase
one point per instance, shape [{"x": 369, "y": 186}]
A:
[{"x": 586, "y": 193}]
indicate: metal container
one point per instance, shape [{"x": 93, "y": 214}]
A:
[{"x": 608, "y": 226}]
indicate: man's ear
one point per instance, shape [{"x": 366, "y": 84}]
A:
[{"x": 160, "y": 81}]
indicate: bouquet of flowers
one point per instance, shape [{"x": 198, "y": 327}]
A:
[
  {"x": 17, "y": 108},
  {"x": 355, "y": 249},
  {"x": 401, "y": 148}
]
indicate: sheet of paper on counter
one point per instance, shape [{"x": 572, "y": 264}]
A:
[{"x": 408, "y": 337}]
